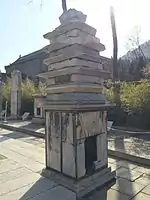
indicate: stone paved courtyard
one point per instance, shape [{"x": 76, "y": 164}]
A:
[{"x": 22, "y": 159}]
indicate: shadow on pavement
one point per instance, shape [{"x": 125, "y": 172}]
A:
[{"x": 121, "y": 183}]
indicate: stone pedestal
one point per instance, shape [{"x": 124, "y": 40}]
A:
[
  {"x": 39, "y": 115},
  {"x": 15, "y": 94},
  {"x": 76, "y": 109}
]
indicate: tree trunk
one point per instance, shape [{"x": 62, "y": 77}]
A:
[
  {"x": 116, "y": 90},
  {"x": 64, "y": 5}
]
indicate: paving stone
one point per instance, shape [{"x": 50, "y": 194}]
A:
[
  {"x": 146, "y": 190},
  {"x": 111, "y": 160},
  {"x": 7, "y": 165},
  {"x": 57, "y": 193},
  {"x": 128, "y": 174},
  {"x": 113, "y": 166},
  {"x": 141, "y": 196},
  {"x": 13, "y": 173},
  {"x": 143, "y": 170},
  {"x": 115, "y": 195},
  {"x": 17, "y": 183},
  {"x": 22, "y": 160},
  {"x": 144, "y": 180},
  {"x": 127, "y": 187},
  {"x": 126, "y": 164},
  {"x": 30, "y": 191}
]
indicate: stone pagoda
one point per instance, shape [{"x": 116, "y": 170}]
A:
[{"x": 76, "y": 109}]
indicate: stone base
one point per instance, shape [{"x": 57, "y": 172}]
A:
[
  {"x": 83, "y": 186},
  {"x": 36, "y": 120}
]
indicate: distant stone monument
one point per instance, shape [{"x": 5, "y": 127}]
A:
[
  {"x": 1, "y": 96},
  {"x": 39, "y": 115},
  {"x": 15, "y": 94},
  {"x": 76, "y": 109}
]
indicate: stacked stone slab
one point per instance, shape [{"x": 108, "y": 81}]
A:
[
  {"x": 75, "y": 70},
  {"x": 75, "y": 106}
]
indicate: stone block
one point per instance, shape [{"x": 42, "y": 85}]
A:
[
  {"x": 74, "y": 63},
  {"x": 81, "y": 38},
  {"x": 50, "y": 81},
  {"x": 57, "y": 193},
  {"x": 144, "y": 180},
  {"x": 141, "y": 196},
  {"x": 57, "y": 46},
  {"x": 85, "y": 88},
  {"x": 128, "y": 174},
  {"x": 54, "y": 160},
  {"x": 68, "y": 159},
  {"x": 146, "y": 190},
  {"x": 62, "y": 57},
  {"x": 37, "y": 120},
  {"x": 81, "y": 160},
  {"x": 13, "y": 174},
  {"x": 127, "y": 187},
  {"x": 31, "y": 190},
  {"x": 75, "y": 49},
  {"x": 72, "y": 15},
  {"x": 69, "y": 133},
  {"x": 116, "y": 195},
  {"x": 17, "y": 183},
  {"x": 102, "y": 148},
  {"x": 62, "y": 29},
  {"x": 85, "y": 78},
  {"x": 55, "y": 144}
]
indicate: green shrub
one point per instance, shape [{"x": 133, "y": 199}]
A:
[{"x": 28, "y": 88}]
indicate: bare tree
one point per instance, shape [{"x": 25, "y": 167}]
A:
[{"x": 134, "y": 43}]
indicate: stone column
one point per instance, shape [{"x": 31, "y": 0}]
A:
[{"x": 15, "y": 94}]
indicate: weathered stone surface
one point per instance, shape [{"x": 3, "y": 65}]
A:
[
  {"x": 146, "y": 190},
  {"x": 87, "y": 79},
  {"x": 57, "y": 193},
  {"x": 75, "y": 49},
  {"x": 102, "y": 148},
  {"x": 81, "y": 98},
  {"x": 68, "y": 159},
  {"x": 81, "y": 38},
  {"x": 72, "y": 15},
  {"x": 13, "y": 174},
  {"x": 127, "y": 187},
  {"x": 74, "y": 63},
  {"x": 31, "y": 190},
  {"x": 62, "y": 57},
  {"x": 75, "y": 70},
  {"x": 81, "y": 160},
  {"x": 62, "y": 29},
  {"x": 57, "y": 46},
  {"x": 84, "y": 88},
  {"x": 14, "y": 184},
  {"x": 51, "y": 81},
  {"x": 15, "y": 94},
  {"x": 54, "y": 160},
  {"x": 127, "y": 174},
  {"x": 142, "y": 196},
  {"x": 115, "y": 195}
]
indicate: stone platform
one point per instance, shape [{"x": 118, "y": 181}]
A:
[{"x": 21, "y": 163}]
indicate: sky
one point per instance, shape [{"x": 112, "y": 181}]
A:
[{"x": 23, "y": 23}]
